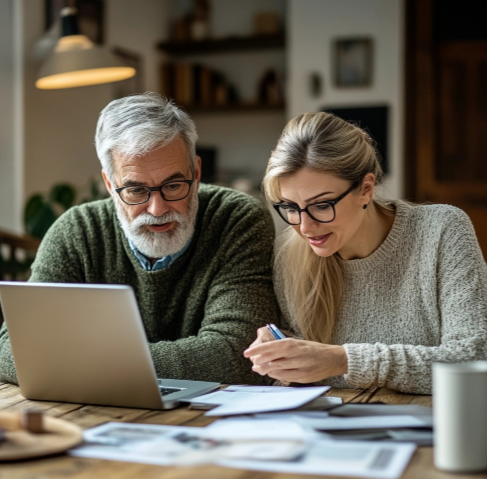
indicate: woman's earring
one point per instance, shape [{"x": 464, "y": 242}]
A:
[{"x": 365, "y": 206}]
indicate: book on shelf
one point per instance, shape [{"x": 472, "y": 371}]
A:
[{"x": 196, "y": 85}]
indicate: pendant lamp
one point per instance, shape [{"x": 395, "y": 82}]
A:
[{"x": 76, "y": 61}]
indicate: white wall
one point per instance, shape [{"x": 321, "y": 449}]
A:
[
  {"x": 138, "y": 26},
  {"x": 7, "y": 109},
  {"x": 10, "y": 159},
  {"x": 312, "y": 27}
]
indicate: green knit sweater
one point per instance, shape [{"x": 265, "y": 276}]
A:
[{"x": 202, "y": 311}]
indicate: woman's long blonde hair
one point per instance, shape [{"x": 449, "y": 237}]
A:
[{"x": 323, "y": 143}]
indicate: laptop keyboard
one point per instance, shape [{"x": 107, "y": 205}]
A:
[{"x": 166, "y": 391}]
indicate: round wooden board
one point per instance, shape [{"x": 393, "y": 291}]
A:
[{"x": 59, "y": 436}]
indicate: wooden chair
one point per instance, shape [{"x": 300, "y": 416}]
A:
[{"x": 17, "y": 252}]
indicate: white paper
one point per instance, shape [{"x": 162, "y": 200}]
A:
[
  {"x": 267, "y": 400},
  {"x": 341, "y": 458},
  {"x": 234, "y": 393},
  {"x": 349, "y": 410},
  {"x": 166, "y": 445},
  {"x": 332, "y": 423},
  {"x": 146, "y": 443},
  {"x": 292, "y": 415},
  {"x": 266, "y": 429},
  {"x": 174, "y": 445}
]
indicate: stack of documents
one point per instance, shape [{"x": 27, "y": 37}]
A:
[
  {"x": 291, "y": 430},
  {"x": 279, "y": 446},
  {"x": 235, "y": 400},
  {"x": 403, "y": 423}
]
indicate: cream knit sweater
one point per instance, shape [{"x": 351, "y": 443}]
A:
[{"x": 420, "y": 297}]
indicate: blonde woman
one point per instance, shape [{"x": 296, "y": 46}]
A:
[{"x": 372, "y": 291}]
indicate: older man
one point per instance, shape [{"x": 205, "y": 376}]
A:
[{"x": 197, "y": 256}]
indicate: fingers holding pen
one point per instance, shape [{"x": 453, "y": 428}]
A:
[
  {"x": 273, "y": 366},
  {"x": 263, "y": 336},
  {"x": 259, "y": 349},
  {"x": 297, "y": 360},
  {"x": 268, "y": 353}
]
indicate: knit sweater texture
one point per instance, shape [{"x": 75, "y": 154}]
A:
[
  {"x": 201, "y": 312},
  {"x": 421, "y": 297}
]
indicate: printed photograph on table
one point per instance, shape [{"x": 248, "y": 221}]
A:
[{"x": 352, "y": 59}]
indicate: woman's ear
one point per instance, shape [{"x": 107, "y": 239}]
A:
[{"x": 368, "y": 185}]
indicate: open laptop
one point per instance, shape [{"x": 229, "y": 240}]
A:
[{"x": 85, "y": 343}]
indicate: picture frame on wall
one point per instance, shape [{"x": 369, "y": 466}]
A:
[
  {"x": 375, "y": 121},
  {"x": 353, "y": 62},
  {"x": 90, "y": 16}
]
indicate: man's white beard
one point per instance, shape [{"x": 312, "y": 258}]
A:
[{"x": 158, "y": 245}]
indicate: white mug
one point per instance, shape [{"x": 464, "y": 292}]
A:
[{"x": 460, "y": 416}]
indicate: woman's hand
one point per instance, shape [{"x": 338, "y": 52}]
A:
[
  {"x": 296, "y": 360},
  {"x": 263, "y": 336}
]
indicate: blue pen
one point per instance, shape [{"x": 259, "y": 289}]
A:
[{"x": 275, "y": 331}]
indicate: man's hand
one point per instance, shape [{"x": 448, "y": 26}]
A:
[{"x": 296, "y": 360}]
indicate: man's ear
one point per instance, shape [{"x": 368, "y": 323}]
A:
[
  {"x": 108, "y": 183},
  {"x": 197, "y": 169}
]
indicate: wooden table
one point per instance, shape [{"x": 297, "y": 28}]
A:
[{"x": 62, "y": 466}]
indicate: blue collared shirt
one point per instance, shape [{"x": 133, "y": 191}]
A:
[{"x": 161, "y": 263}]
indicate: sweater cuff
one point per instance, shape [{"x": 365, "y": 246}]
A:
[{"x": 361, "y": 365}]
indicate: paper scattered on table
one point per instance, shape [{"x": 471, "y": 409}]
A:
[
  {"x": 365, "y": 428},
  {"x": 419, "y": 437},
  {"x": 332, "y": 423},
  {"x": 253, "y": 429},
  {"x": 146, "y": 443},
  {"x": 256, "y": 399},
  {"x": 222, "y": 396},
  {"x": 292, "y": 415},
  {"x": 322, "y": 403},
  {"x": 174, "y": 445},
  {"x": 355, "y": 410},
  {"x": 347, "y": 458}
]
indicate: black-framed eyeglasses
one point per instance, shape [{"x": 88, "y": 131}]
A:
[
  {"x": 322, "y": 212},
  {"x": 171, "y": 191}
]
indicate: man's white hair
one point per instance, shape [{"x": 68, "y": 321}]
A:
[{"x": 137, "y": 124}]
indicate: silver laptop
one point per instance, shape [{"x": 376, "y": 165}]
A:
[{"x": 85, "y": 343}]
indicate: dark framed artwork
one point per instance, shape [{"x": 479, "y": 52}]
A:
[
  {"x": 353, "y": 62},
  {"x": 90, "y": 16},
  {"x": 134, "y": 84},
  {"x": 375, "y": 121}
]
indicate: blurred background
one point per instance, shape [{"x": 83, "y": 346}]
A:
[{"x": 412, "y": 72}]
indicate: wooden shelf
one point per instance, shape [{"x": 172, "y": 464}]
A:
[
  {"x": 225, "y": 45},
  {"x": 234, "y": 108}
]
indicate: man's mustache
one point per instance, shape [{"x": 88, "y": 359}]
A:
[{"x": 148, "y": 219}]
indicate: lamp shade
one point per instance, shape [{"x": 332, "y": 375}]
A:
[{"x": 77, "y": 61}]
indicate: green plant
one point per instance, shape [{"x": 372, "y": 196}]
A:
[{"x": 42, "y": 210}]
